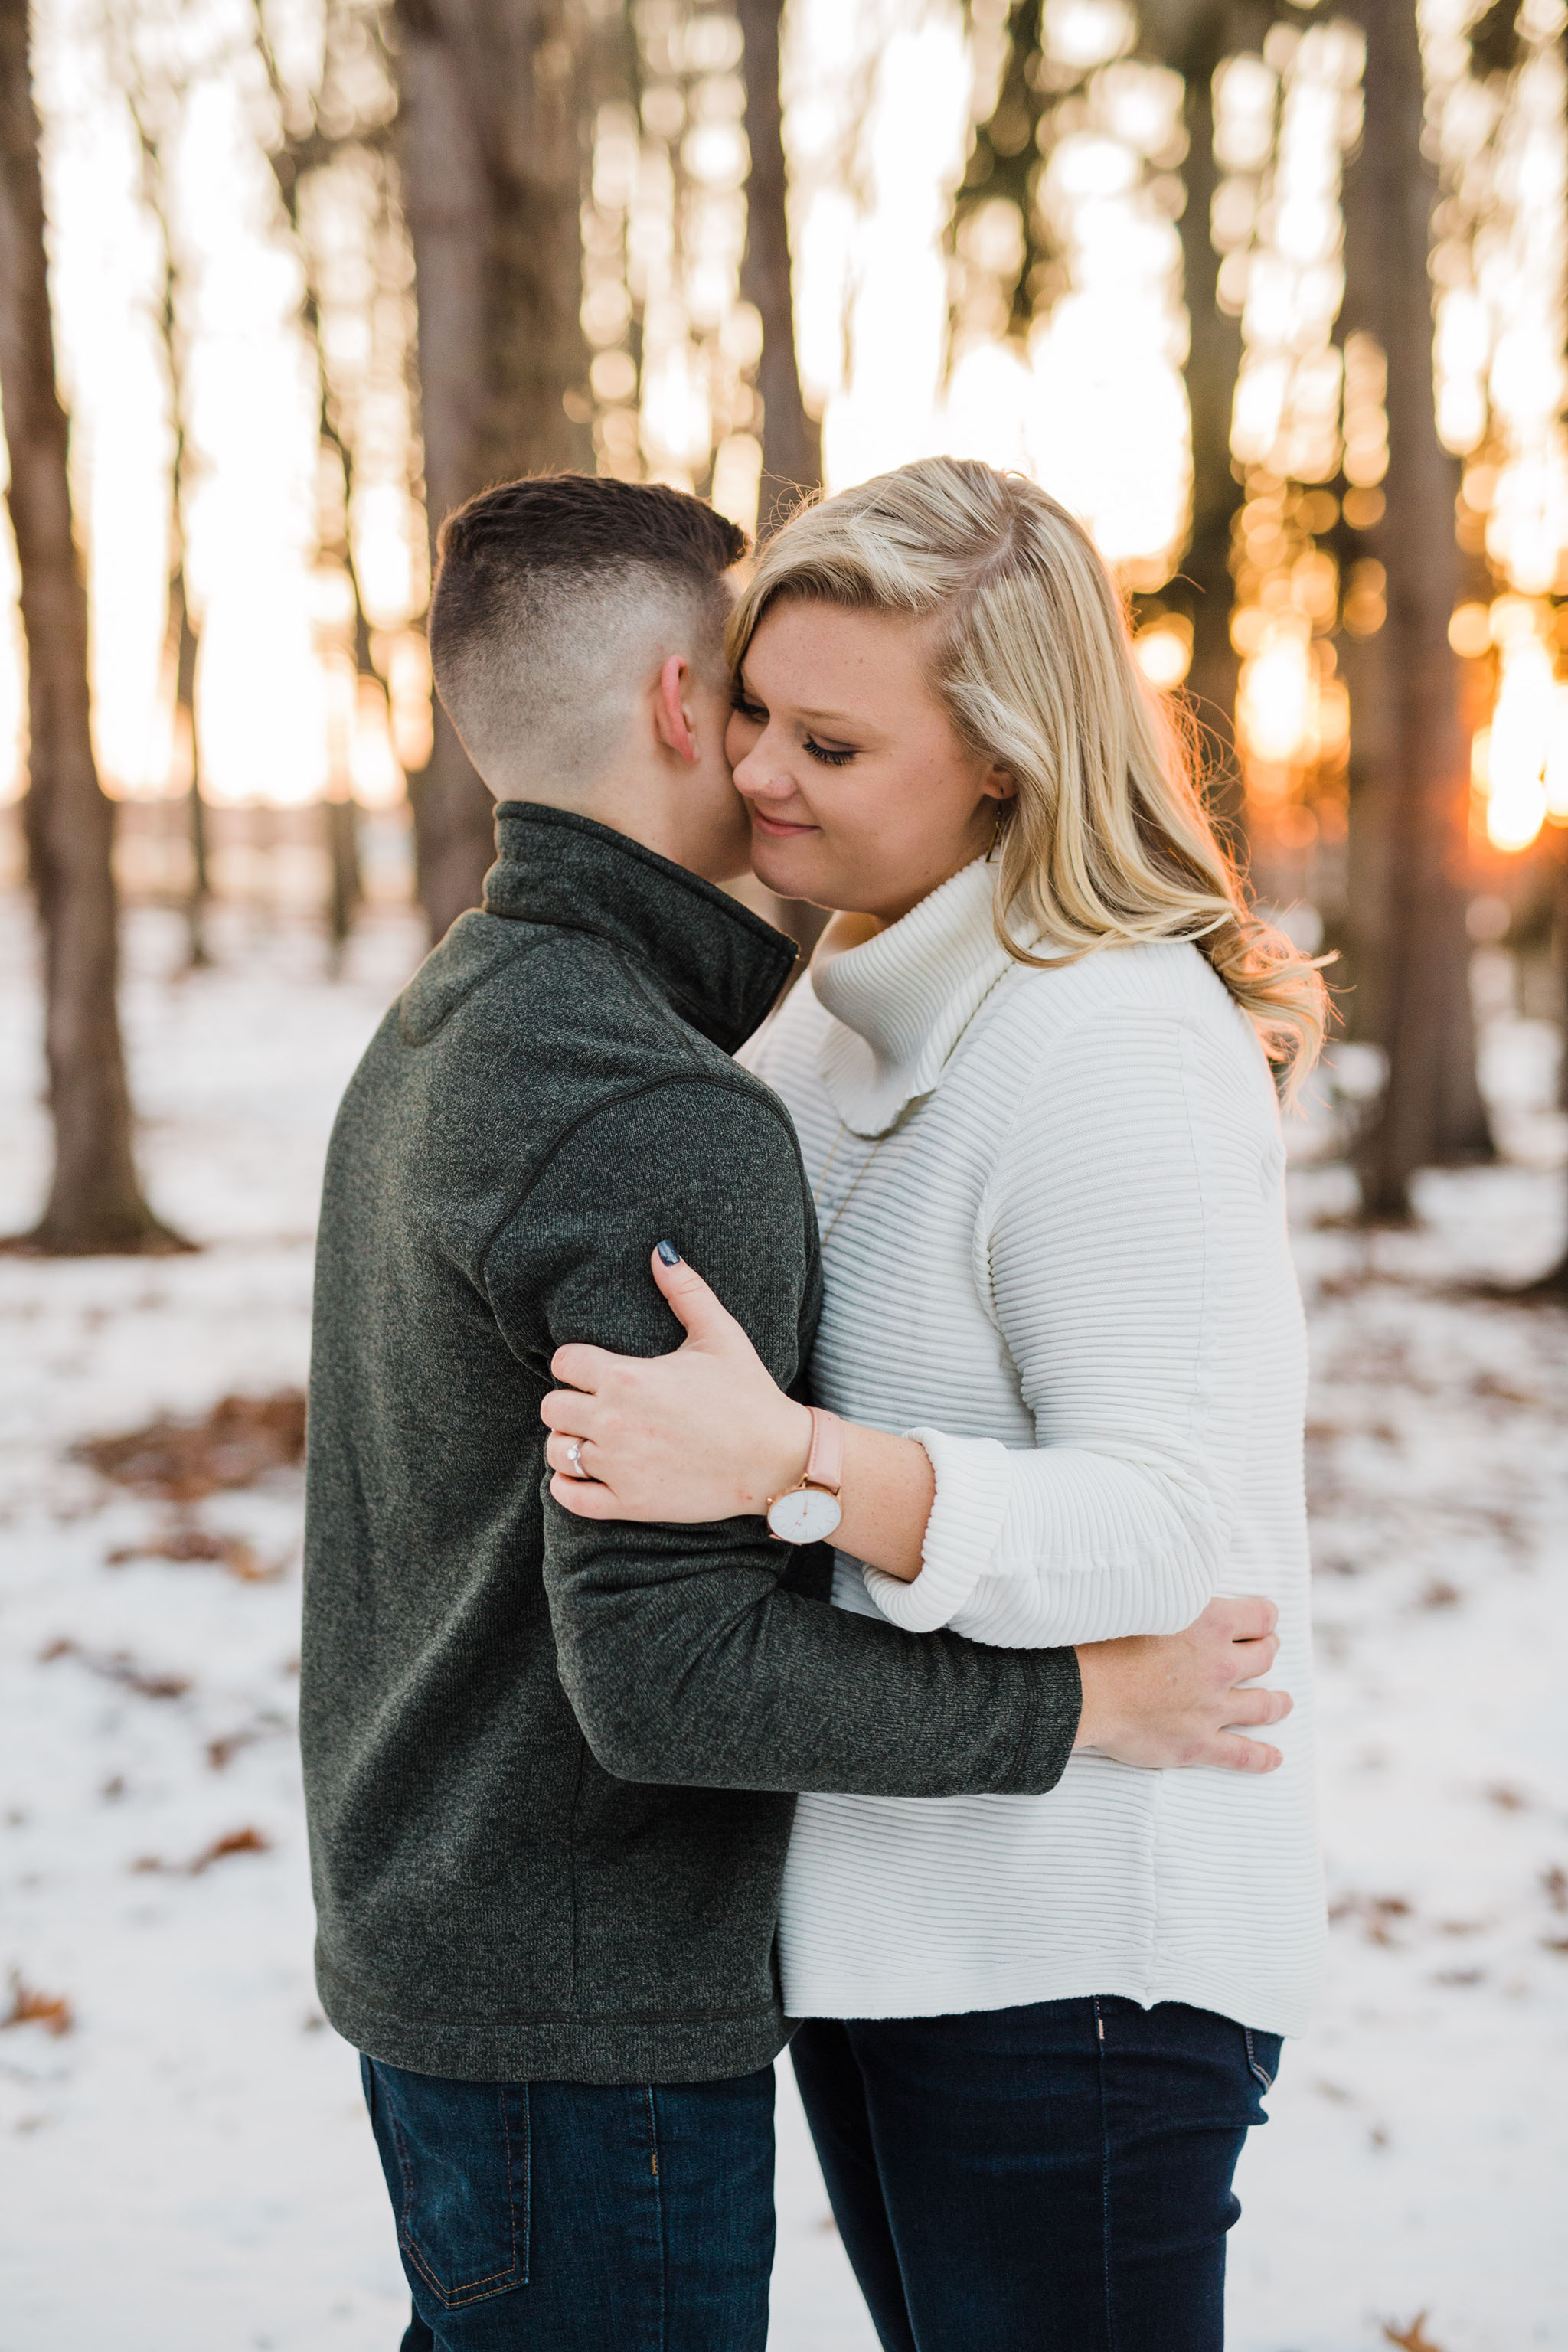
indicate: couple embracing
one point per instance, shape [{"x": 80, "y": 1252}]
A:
[{"x": 805, "y": 1514}]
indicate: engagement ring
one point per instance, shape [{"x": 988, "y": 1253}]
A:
[{"x": 574, "y": 1458}]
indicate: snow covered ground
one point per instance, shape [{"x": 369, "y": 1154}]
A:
[{"x": 189, "y": 2169}]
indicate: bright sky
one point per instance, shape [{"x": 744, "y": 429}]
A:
[{"x": 880, "y": 99}]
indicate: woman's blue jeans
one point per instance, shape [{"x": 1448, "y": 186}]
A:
[
  {"x": 567, "y": 2217},
  {"x": 1049, "y": 2179}
]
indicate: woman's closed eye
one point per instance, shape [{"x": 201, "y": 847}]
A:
[{"x": 755, "y": 714}]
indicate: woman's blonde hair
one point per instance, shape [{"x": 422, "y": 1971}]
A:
[{"x": 1108, "y": 841}]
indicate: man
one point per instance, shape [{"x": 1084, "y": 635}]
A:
[{"x": 551, "y": 1765}]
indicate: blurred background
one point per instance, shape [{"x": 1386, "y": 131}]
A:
[{"x": 1276, "y": 298}]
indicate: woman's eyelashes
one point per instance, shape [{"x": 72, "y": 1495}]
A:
[{"x": 755, "y": 714}]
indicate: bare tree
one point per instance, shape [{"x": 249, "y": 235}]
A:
[
  {"x": 1552, "y": 1285},
  {"x": 350, "y": 113},
  {"x": 1193, "y": 37},
  {"x": 492, "y": 150},
  {"x": 95, "y": 1201},
  {"x": 152, "y": 102},
  {"x": 792, "y": 440},
  {"x": 1417, "y": 803}
]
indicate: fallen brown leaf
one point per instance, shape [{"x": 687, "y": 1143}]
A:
[
  {"x": 52, "y": 2011},
  {"x": 180, "y": 1461},
  {"x": 1413, "y": 2339},
  {"x": 119, "y": 1666},
  {"x": 186, "y": 1543},
  {"x": 246, "y": 1840}
]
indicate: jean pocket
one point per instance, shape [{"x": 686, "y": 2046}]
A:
[
  {"x": 456, "y": 2155},
  {"x": 1263, "y": 2055}
]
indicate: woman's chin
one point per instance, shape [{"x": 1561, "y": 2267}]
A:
[{"x": 788, "y": 868}]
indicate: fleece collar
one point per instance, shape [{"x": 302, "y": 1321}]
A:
[{"x": 720, "y": 966}]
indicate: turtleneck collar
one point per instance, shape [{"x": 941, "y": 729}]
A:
[
  {"x": 901, "y": 1001},
  {"x": 721, "y": 966}
]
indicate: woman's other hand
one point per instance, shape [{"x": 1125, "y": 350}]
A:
[{"x": 703, "y": 1434}]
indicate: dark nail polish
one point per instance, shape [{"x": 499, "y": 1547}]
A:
[{"x": 669, "y": 1254}]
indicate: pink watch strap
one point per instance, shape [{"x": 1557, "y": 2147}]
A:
[{"x": 825, "y": 1462}]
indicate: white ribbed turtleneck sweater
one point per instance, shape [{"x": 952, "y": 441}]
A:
[{"x": 1054, "y": 1237}]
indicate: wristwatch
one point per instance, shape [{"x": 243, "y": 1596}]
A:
[{"x": 809, "y": 1511}]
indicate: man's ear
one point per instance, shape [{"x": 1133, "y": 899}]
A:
[{"x": 672, "y": 712}]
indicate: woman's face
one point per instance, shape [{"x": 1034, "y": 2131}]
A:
[{"x": 861, "y": 794}]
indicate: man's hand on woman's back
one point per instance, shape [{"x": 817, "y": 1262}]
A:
[{"x": 1186, "y": 1699}]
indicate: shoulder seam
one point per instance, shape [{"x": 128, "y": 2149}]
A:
[
  {"x": 750, "y": 1090},
  {"x": 518, "y": 954}
]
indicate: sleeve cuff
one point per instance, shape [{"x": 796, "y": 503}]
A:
[{"x": 973, "y": 1487}]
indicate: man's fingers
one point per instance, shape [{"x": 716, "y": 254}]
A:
[
  {"x": 1233, "y": 1754},
  {"x": 1246, "y": 1660},
  {"x": 1245, "y": 1618},
  {"x": 1254, "y": 1706},
  {"x": 579, "y": 1366}
]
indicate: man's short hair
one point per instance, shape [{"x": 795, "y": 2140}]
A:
[{"x": 556, "y": 598}]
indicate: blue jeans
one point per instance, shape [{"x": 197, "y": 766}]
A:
[
  {"x": 563, "y": 2215},
  {"x": 1049, "y": 2179}
]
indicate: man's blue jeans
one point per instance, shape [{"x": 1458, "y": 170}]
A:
[
  {"x": 565, "y": 2217},
  {"x": 1049, "y": 2179}
]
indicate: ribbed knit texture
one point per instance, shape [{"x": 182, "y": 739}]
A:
[{"x": 1055, "y": 1252}]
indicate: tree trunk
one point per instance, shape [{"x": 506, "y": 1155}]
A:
[
  {"x": 95, "y": 1201},
  {"x": 1553, "y": 1283},
  {"x": 186, "y": 649},
  {"x": 1213, "y": 358},
  {"x": 343, "y": 854},
  {"x": 1431, "y": 1110},
  {"x": 493, "y": 156},
  {"x": 792, "y": 440}
]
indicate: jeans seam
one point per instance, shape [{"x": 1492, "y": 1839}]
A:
[
  {"x": 652, "y": 2098},
  {"x": 1265, "y": 2079},
  {"x": 1104, "y": 2179},
  {"x": 527, "y": 2181}
]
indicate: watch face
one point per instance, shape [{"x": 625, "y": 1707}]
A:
[{"x": 807, "y": 1515}]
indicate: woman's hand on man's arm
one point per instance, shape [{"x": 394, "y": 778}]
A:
[{"x": 706, "y": 1432}]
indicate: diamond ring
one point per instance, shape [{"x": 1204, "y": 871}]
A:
[{"x": 574, "y": 1458}]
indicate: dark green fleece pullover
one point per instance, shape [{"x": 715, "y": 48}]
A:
[{"x": 549, "y": 1765}]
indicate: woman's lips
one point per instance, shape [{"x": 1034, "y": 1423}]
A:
[{"x": 777, "y": 826}]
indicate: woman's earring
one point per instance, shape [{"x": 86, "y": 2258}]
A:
[{"x": 996, "y": 836}]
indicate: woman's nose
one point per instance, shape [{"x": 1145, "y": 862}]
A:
[{"x": 757, "y": 776}]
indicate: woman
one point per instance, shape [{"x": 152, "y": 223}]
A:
[{"x": 1061, "y": 1328}]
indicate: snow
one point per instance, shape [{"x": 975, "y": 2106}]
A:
[{"x": 191, "y": 2165}]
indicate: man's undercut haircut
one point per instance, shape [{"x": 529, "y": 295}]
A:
[{"x": 556, "y": 599}]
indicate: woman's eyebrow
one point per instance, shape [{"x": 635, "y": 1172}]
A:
[
  {"x": 812, "y": 717},
  {"x": 829, "y": 718}
]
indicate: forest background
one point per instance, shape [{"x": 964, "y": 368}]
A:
[{"x": 1274, "y": 296}]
